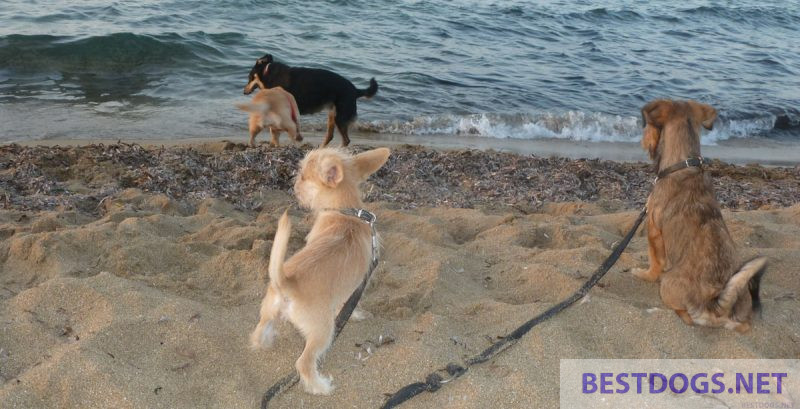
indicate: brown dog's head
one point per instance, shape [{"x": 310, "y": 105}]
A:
[
  {"x": 329, "y": 177},
  {"x": 659, "y": 113}
]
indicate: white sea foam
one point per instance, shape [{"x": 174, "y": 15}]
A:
[
  {"x": 739, "y": 128},
  {"x": 571, "y": 125}
]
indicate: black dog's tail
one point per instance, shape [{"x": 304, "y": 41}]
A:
[{"x": 369, "y": 92}]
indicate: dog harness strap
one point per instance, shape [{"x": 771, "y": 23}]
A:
[
  {"x": 688, "y": 163},
  {"x": 369, "y": 218}
]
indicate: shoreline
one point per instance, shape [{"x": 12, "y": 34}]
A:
[{"x": 738, "y": 152}]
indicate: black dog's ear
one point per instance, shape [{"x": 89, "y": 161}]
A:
[{"x": 266, "y": 59}]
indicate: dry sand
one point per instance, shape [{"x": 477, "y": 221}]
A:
[{"x": 148, "y": 300}]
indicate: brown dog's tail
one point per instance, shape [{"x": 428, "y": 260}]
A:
[
  {"x": 279, "y": 245},
  {"x": 748, "y": 277},
  {"x": 369, "y": 92}
]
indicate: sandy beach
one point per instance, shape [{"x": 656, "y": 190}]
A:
[{"x": 130, "y": 275}]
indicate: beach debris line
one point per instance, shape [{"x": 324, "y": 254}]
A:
[
  {"x": 434, "y": 381},
  {"x": 85, "y": 178}
]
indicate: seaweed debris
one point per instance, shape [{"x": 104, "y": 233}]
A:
[{"x": 81, "y": 177}]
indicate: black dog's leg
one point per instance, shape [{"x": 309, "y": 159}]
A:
[
  {"x": 331, "y": 122},
  {"x": 345, "y": 115},
  {"x": 343, "y": 131}
]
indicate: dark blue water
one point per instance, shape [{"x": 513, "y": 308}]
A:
[{"x": 558, "y": 69}]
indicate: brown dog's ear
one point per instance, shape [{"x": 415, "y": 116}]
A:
[
  {"x": 654, "y": 115},
  {"x": 331, "y": 171},
  {"x": 709, "y": 116},
  {"x": 367, "y": 163},
  {"x": 266, "y": 70},
  {"x": 650, "y": 140}
]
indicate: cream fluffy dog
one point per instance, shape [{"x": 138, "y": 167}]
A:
[
  {"x": 311, "y": 286},
  {"x": 272, "y": 108}
]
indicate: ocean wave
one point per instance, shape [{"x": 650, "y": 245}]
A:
[
  {"x": 756, "y": 15},
  {"x": 47, "y": 53},
  {"x": 571, "y": 125}
]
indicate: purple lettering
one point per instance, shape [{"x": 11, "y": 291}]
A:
[
  {"x": 684, "y": 386},
  {"x": 779, "y": 376},
  {"x": 653, "y": 389},
  {"x": 703, "y": 384},
  {"x": 741, "y": 383},
  {"x": 589, "y": 385},
  {"x": 639, "y": 376},
  {"x": 760, "y": 381},
  {"x": 716, "y": 381},
  {"x": 605, "y": 381},
  {"x": 621, "y": 381}
]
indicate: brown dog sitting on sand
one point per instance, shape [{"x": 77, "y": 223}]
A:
[
  {"x": 273, "y": 108},
  {"x": 688, "y": 240},
  {"x": 312, "y": 285}
]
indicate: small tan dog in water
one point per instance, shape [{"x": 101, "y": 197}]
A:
[
  {"x": 272, "y": 108},
  {"x": 311, "y": 286},
  {"x": 690, "y": 247}
]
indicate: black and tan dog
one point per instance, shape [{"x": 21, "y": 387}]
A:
[
  {"x": 314, "y": 89},
  {"x": 690, "y": 248}
]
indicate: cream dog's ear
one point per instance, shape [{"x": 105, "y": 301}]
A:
[
  {"x": 331, "y": 171},
  {"x": 367, "y": 163},
  {"x": 654, "y": 115}
]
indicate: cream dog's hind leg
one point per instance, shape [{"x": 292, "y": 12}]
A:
[{"x": 265, "y": 332}]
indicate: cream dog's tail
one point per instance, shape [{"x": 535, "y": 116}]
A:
[
  {"x": 279, "y": 246},
  {"x": 748, "y": 277},
  {"x": 254, "y": 108}
]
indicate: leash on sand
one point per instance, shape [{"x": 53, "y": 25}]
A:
[
  {"x": 434, "y": 381},
  {"x": 290, "y": 380}
]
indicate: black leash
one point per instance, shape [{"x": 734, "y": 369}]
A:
[
  {"x": 434, "y": 381},
  {"x": 290, "y": 380}
]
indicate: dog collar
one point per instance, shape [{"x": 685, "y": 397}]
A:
[
  {"x": 697, "y": 162},
  {"x": 365, "y": 215},
  {"x": 362, "y": 214}
]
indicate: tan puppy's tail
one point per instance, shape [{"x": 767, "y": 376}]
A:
[
  {"x": 748, "y": 277},
  {"x": 279, "y": 246},
  {"x": 253, "y": 108}
]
